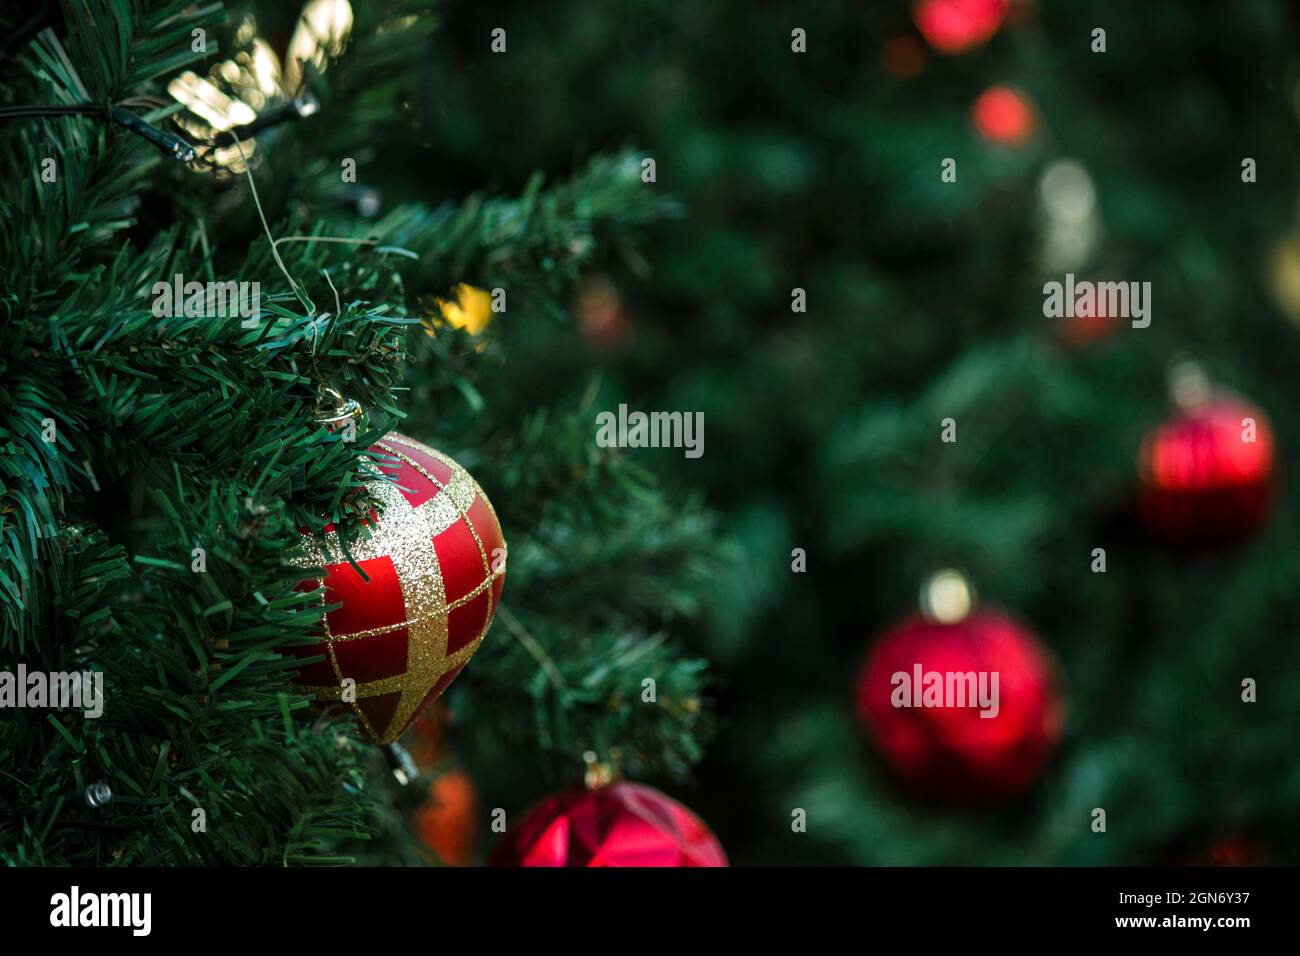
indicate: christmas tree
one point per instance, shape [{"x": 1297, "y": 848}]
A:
[
  {"x": 993, "y": 302},
  {"x": 849, "y": 151},
  {"x": 230, "y": 271}
]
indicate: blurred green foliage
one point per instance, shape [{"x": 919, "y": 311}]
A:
[{"x": 821, "y": 171}]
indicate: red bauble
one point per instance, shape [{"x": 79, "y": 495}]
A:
[
  {"x": 1207, "y": 475},
  {"x": 623, "y": 824},
  {"x": 945, "y": 749},
  {"x": 1004, "y": 116},
  {"x": 954, "y": 26},
  {"x": 435, "y": 560},
  {"x": 602, "y": 319}
]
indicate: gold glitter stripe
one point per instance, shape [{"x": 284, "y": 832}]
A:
[
  {"x": 403, "y": 536},
  {"x": 479, "y": 589},
  {"x": 412, "y": 622},
  {"x": 464, "y": 509},
  {"x": 453, "y": 500},
  {"x": 423, "y": 592},
  {"x": 394, "y": 684},
  {"x": 464, "y": 516}
]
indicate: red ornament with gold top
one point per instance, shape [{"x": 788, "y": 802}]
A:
[
  {"x": 434, "y": 565},
  {"x": 618, "y": 825},
  {"x": 1206, "y": 476},
  {"x": 927, "y": 696}
]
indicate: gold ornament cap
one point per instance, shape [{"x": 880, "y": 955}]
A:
[
  {"x": 947, "y": 597},
  {"x": 1189, "y": 387},
  {"x": 600, "y": 773}
]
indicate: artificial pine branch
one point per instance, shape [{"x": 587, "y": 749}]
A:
[{"x": 182, "y": 432}]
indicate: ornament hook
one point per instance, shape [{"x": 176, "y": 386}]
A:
[{"x": 332, "y": 409}]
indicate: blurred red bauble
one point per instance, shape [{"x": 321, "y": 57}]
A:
[
  {"x": 622, "y": 824},
  {"x": 945, "y": 725},
  {"x": 434, "y": 561},
  {"x": 602, "y": 319},
  {"x": 1004, "y": 116},
  {"x": 955, "y": 26},
  {"x": 1206, "y": 476},
  {"x": 1232, "y": 851},
  {"x": 1220, "y": 851},
  {"x": 1082, "y": 331},
  {"x": 447, "y": 821}
]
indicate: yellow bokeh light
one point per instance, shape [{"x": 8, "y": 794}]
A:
[{"x": 471, "y": 311}]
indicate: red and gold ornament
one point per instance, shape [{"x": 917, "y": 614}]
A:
[
  {"x": 434, "y": 564},
  {"x": 955, "y": 749},
  {"x": 618, "y": 825},
  {"x": 1206, "y": 475}
]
